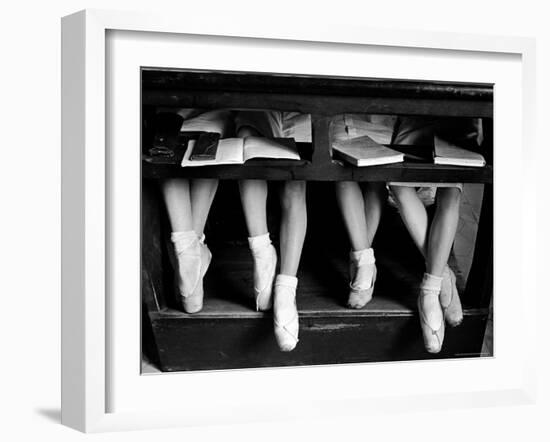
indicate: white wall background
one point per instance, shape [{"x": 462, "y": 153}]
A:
[{"x": 30, "y": 215}]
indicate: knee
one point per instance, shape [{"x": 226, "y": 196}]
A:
[
  {"x": 399, "y": 194},
  {"x": 345, "y": 184},
  {"x": 448, "y": 198},
  {"x": 247, "y": 186},
  {"x": 247, "y": 131},
  {"x": 344, "y": 187},
  {"x": 174, "y": 185},
  {"x": 205, "y": 184},
  {"x": 293, "y": 195},
  {"x": 377, "y": 189}
]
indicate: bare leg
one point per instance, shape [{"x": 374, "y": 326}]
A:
[
  {"x": 443, "y": 230},
  {"x": 253, "y": 197},
  {"x": 178, "y": 204},
  {"x": 351, "y": 203},
  {"x": 435, "y": 244},
  {"x": 415, "y": 218},
  {"x": 293, "y": 232},
  {"x": 186, "y": 246},
  {"x": 202, "y": 195},
  {"x": 436, "y": 247},
  {"x": 440, "y": 241},
  {"x": 293, "y": 225},
  {"x": 374, "y": 195},
  {"x": 414, "y": 215},
  {"x": 361, "y": 211}
]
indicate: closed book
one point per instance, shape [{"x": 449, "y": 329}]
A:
[
  {"x": 364, "y": 151},
  {"x": 452, "y": 155}
]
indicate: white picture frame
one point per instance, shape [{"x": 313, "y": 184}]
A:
[{"x": 87, "y": 319}]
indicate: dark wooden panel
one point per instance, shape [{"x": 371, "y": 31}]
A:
[
  {"x": 480, "y": 284},
  {"x": 320, "y": 132},
  {"x": 178, "y": 79},
  {"x": 479, "y": 290},
  {"x": 152, "y": 273},
  {"x": 407, "y": 172},
  {"x": 204, "y": 344},
  {"x": 318, "y": 104}
]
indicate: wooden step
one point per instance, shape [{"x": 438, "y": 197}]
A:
[{"x": 229, "y": 333}]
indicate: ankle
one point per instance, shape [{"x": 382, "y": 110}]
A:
[
  {"x": 259, "y": 243},
  {"x": 184, "y": 242},
  {"x": 362, "y": 268},
  {"x": 430, "y": 284},
  {"x": 362, "y": 257},
  {"x": 287, "y": 281},
  {"x": 285, "y": 289}
]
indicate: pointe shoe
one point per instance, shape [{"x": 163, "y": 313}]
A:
[
  {"x": 433, "y": 338},
  {"x": 285, "y": 317},
  {"x": 265, "y": 264},
  {"x": 193, "y": 303},
  {"x": 188, "y": 268},
  {"x": 449, "y": 299},
  {"x": 360, "y": 296}
]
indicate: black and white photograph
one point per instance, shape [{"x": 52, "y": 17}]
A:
[
  {"x": 275, "y": 221},
  {"x": 300, "y": 220}
]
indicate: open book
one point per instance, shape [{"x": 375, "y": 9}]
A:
[
  {"x": 364, "y": 151},
  {"x": 449, "y": 154},
  {"x": 240, "y": 150}
]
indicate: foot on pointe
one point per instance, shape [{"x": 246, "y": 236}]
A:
[
  {"x": 449, "y": 299},
  {"x": 285, "y": 315},
  {"x": 265, "y": 263},
  {"x": 363, "y": 277}
]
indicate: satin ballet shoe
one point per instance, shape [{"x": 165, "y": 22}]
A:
[
  {"x": 287, "y": 334},
  {"x": 360, "y": 296},
  {"x": 188, "y": 269},
  {"x": 265, "y": 264},
  {"x": 433, "y": 338},
  {"x": 449, "y": 299},
  {"x": 286, "y": 330},
  {"x": 193, "y": 302}
]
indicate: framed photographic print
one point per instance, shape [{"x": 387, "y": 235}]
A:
[{"x": 289, "y": 209}]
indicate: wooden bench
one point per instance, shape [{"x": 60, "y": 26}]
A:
[{"x": 228, "y": 333}]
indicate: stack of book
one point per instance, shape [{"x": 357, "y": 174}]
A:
[
  {"x": 451, "y": 155},
  {"x": 364, "y": 151}
]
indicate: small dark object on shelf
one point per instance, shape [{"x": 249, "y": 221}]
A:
[
  {"x": 206, "y": 147},
  {"x": 161, "y": 151}
]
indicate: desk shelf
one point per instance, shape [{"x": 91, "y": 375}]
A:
[{"x": 287, "y": 170}]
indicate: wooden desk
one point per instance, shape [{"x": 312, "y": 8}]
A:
[{"x": 322, "y": 97}]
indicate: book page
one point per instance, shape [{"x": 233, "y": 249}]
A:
[
  {"x": 259, "y": 147},
  {"x": 230, "y": 151}
]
